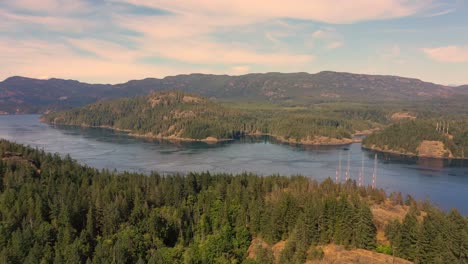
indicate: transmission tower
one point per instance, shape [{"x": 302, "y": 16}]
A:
[
  {"x": 347, "y": 168},
  {"x": 374, "y": 175},
  {"x": 361, "y": 172},
  {"x": 338, "y": 171}
]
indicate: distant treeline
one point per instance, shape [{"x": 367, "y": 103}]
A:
[{"x": 53, "y": 210}]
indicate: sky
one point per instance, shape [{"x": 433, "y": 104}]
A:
[{"x": 113, "y": 41}]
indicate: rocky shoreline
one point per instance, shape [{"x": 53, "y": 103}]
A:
[
  {"x": 315, "y": 141},
  {"x": 410, "y": 154}
]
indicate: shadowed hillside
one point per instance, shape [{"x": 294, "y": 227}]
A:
[{"x": 26, "y": 95}]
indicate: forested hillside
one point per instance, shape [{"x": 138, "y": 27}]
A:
[
  {"x": 27, "y": 95},
  {"x": 53, "y": 210},
  {"x": 429, "y": 137},
  {"x": 182, "y": 116}
]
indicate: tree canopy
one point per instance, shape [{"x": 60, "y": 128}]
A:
[
  {"x": 54, "y": 210},
  {"x": 407, "y": 136}
]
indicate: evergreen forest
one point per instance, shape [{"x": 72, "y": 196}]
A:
[
  {"x": 54, "y": 210},
  {"x": 407, "y": 136},
  {"x": 185, "y": 116}
]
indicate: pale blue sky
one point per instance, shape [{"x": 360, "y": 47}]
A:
[{"x": 111, "y": 41}]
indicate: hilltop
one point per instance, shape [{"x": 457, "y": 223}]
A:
[
  {"x": 463, "y": 89},
  {"x": 26, "y": 95}
]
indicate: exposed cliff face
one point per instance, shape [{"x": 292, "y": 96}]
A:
[{"x": 434, "y": 149}]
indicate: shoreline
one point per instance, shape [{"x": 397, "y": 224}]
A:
[
  {"x": 326, "y": 141},
  {"x": 180, "y": 139},
  {"x": 411, "y": 155},
  {"x": 306, "y": 142},
  {"x": 147, "y": 135}
]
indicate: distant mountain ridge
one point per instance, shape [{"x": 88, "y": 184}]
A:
[
  {"x": 27, "y": 95},
  {"x": 462, "y": 89}
]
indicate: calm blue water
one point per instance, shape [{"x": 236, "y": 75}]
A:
[{"x": 443, "y": 182}]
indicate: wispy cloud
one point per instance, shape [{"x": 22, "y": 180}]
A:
[
  {"x": 450, "y": 54},
  {"x": 441, "y": 13},
  {"x": 329, "y": 36},
  {"x": 334, "y": 45},
  {"x": 127, "y": 39},
  {"x": 38, "y": 59},
  {"x": 59, "y": 23},
  {"x": 178, "y": 39},
  {"x": 319, "y": 10},
  {"x": 327, "y": 33},
  {"x": 48, "y": 6}
]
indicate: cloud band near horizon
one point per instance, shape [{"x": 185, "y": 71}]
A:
[{"x": 111, "y": 41}]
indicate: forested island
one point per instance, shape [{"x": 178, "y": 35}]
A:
[
  {"x": 436, "y": 138},
  {"x": 54, "y": 210},
  {"x": 181, "y": 116}
]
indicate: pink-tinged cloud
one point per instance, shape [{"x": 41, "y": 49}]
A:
[
  {"x": 241, "y": 69},
  {"x": 186, "y": 39},
  {"x": 38, "y": 59},
  {"x": 327, "y": 33},
  {"x": 450, "y": 54},
  {"x": 332, "y": 39},
  {"x": 338, "y": 11},
  {"x": 205, "y": 52},
  {"x": 117, "y": 64},
  {"x": 334, "y": 45}
]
